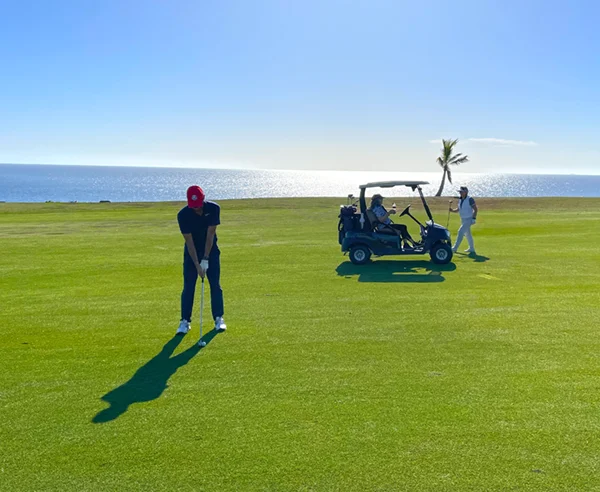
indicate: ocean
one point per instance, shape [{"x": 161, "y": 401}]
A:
[{"x": 41, "y": 183}]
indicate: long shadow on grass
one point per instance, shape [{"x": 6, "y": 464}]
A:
[
  {"x": 474, "y": 256},
  {"x": 150, "y": 380},
  {"x": 395, "y": 271}
]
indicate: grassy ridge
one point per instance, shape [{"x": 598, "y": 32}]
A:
[{"x": 481, "y": 375}]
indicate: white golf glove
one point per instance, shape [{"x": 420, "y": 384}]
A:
[
  {"x": 474, "y": 221},
  {"x": 204, "y": 265}
]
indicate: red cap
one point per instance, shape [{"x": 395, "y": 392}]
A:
[{"x": 195, "y": 197}]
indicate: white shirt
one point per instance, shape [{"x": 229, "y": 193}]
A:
[{"x": 465, "y": 208}]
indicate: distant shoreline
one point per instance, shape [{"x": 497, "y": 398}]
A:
[
  {"x": 526, "y": 203},
  {"x": 40, "y": 183}
]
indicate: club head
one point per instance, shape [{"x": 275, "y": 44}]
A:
[{"x": 201, "y": 344}]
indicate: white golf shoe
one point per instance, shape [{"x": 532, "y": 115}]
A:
[
  {"x": 220, "y": 324},
  {"x": 184, "y": 327}
]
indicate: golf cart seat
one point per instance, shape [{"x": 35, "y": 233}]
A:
[
  {"x": 375, "y": 222},
  {"x": 372, "y": 218}
]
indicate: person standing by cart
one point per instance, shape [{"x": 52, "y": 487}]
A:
[{"x": 467, "y": 209}]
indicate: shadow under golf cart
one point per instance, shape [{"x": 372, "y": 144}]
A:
[
  {"x": 150, "y": 380},
  {"x": 395, "y": 271}
]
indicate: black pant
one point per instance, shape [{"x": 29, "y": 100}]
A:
[
  {"x": 190, "y": 277},
  {"x": 403, "y": 230}
]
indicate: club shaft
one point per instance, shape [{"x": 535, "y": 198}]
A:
[{"x": 201, "y": 307}]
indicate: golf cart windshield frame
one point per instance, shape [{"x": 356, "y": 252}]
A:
[{"x": 414, "y": 185}]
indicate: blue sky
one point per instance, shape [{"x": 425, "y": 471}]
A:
[{"x": 326, "y": 84}]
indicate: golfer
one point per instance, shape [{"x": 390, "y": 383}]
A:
[
  {"x": 383, "y": 216},
  {"x": 198, "y": 223},
  {"x": 467, "y": 209}
]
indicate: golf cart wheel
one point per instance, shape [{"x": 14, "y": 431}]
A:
[
  {"x": 441, "y": 254},
  {"x": 359, "y": 255}
]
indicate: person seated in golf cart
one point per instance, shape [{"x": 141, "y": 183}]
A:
[{"x": 385, "y": 224}]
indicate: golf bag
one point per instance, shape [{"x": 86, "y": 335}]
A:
[{"x": 349, "y": 221}]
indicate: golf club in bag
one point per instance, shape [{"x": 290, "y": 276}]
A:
[{"x": 201, "y": 343}]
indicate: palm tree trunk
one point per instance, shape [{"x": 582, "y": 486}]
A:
[{"x": 439, "y": 193}]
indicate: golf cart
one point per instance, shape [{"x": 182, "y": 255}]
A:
[{"x": 360, "y": 237}]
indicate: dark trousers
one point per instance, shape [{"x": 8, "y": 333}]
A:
[
  {"x": 190, "y": 277},
  {"x": 402, "y": 230}
]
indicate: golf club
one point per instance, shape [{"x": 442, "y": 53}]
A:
[
  {"x": 201, "y": 343},
  {"x": 449, "y": 207}
]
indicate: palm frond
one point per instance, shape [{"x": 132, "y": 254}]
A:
[
  {"x": 449, "y": 175},
  {"x": 455, "y": 161},
  {"x": 450, "y": 144},
  {"x": 448, "y": 149}
]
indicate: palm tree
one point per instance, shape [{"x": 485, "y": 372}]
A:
[{"x": 447, "y": 159}]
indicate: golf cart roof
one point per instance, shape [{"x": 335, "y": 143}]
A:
[{"x": 391, "y": 184}]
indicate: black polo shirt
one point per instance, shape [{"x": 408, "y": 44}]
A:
[{"x": 197, "y": 225}]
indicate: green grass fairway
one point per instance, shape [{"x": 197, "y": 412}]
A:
[{"x": 398, "y": 375}]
